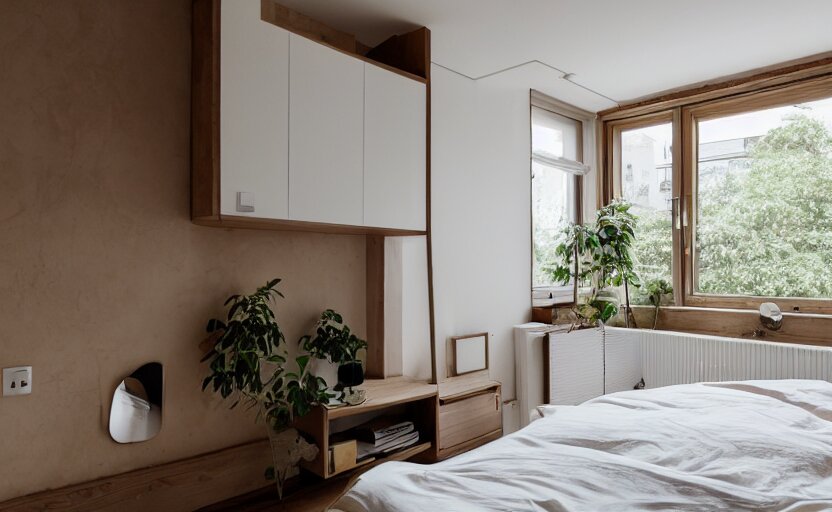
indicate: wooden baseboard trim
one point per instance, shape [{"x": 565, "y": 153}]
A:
[{"x": 186, "y": 484}]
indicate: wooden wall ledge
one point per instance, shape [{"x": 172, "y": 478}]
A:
[{"x": 186, "y": 484}]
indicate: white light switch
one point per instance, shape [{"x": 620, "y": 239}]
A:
[
  {"x": 245, "y": 201},
  {"x": 17, "y": 381}
]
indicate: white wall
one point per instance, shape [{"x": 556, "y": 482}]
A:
[
  {"x": 406, "y": 313},
  {"x": 455, "y": 205},
  {"x": 480, "y": 206},
  {"x": 415, "y": 318}
]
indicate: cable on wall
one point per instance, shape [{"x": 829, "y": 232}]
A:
[{"x": 564, "y": 76}]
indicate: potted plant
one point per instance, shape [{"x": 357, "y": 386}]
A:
[
  {"x": 657, "y": 289},
  {"x": 350, "y": 369},
  {"x": 600, "y": 255},
  {"x": 248, "y": 363},
  {"x": 334, "y": 342}
]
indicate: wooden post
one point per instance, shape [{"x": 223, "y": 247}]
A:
[{"x": 375, "y": 307}]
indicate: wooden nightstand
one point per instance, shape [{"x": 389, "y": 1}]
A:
[
  {"x": 470, "y": 415},
  {"x": 413, "y": 399}
]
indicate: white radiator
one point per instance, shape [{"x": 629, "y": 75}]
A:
[
  {"x": 528, "y": 360},
  {"x": 576, "y": 366},
  {"x": 589, "y": 363},
  {"x": 675, "y": 358}
]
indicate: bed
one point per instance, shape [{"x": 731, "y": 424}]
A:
[{"x": 751, "y": 445}]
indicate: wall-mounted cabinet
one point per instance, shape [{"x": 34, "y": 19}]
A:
[
  {"x": 326, "y": 134},
  {"x": 394, "y": 150},
  {"x": 254, "y": 113},
  {"x": 291, "y": 133}
]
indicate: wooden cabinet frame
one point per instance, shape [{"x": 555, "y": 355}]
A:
[
  {"x": 796, "y": 83},
  {"x": 407, "y": 55}
]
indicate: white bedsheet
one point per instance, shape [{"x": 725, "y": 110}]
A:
[{"x": 755, "y": 445}]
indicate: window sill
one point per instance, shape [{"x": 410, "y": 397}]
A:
[{"x": 806, "y": 328}]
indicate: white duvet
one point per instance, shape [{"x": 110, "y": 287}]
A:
[{"x": 756, "y": 445}]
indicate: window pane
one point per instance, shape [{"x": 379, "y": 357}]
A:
[
  {"x": 553, "y": 207},
  {"x": 647, "y": 183},
  {"x": 553, "y": 189},
  {"x": 764, "y": 217},
  {"x": 555, "y": 134}
]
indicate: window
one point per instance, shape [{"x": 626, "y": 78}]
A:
[
  {"x": 647, "y": 183},
  {"x": 732, "y": 193},
  {"x": 763, "y": 218},
  {"x": 557, "y": 168},
  {"x": 645, "y": 171}
]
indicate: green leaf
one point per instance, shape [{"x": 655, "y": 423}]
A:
[
  {"x": 609, "y": 311},
  {"x": 302, "y": 362}
]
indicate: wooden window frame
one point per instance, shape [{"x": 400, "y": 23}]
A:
[
  {"x": 807, "y": 80},
  {"x": 586, "y": 145},
  {"x": 612, "y": 177},
  {"x": 804, "y": 91}
]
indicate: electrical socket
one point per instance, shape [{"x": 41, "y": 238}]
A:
[{"x": 17, "y": 381}]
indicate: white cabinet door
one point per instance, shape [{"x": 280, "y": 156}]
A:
[
  {"x": 326, "y": 134},
  {"x": 394, "y": 150},
  {"x": 254, "y": 103}
]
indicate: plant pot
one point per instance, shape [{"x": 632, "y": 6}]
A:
[
  {"x": 324, "y": 369},
  {"x": 608, "y": 295},
  {"x": 288, "y": 448},
  {"x": 351, "y": 374}
]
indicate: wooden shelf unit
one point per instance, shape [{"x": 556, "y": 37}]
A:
[{"x": 419, "y": 399}]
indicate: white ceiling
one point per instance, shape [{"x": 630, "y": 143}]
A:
[{"x": 621, "y": 49}]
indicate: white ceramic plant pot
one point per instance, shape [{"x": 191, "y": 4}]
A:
[
  {"x": 288, "y": 449},
  {"x": 324, "y": 369}
]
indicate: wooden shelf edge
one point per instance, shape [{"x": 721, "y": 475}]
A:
[
  {"x": 358, "y": 56},
  {"x": 358, "y": 465},
  {"x": 462, "y": 389},
  {"x": 235, "y": 222},
  {"x": 401, "y": 455},
  {"x": 430, "y": 392},
  {"x": 299, "y": 24}
]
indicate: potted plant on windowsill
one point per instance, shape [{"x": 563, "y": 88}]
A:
[
  {"x": 600, "y": 254},
  {"x": 657, "y": 290},
  {"x": 336, "y": 343},
  {"x": 248, "y": 363}
]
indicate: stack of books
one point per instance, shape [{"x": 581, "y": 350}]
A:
[{"x": 385, "y": 435}]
